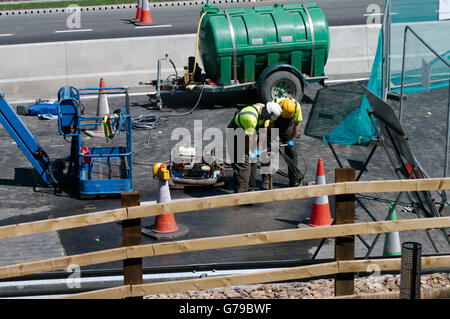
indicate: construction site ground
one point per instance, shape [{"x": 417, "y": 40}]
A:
[{"x": 25, "y": 199}]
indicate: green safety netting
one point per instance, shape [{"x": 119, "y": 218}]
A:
[
  {"x": 430, "y": 21},
  {"x": 357, "y": 127}
]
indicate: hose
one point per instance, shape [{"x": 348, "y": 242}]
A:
[
  {"x": 151, "y": 122},
  {"x": 147, "y": 122},
  {"x": 196, "y": 42}
]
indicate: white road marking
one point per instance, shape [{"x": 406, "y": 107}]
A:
[
  {"x": 88, "y": 97},
  {"x": 73, "y": 30},
  {"x": 373, "y": 14},
  {"x": 6, "y": 35},
  {"x": 153, "y": 26}
]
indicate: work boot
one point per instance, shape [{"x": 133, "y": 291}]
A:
[
  {"x": 294, "y": 183},
  {"x": 265, "y": 182}
]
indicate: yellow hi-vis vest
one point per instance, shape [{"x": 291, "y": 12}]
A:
[{"x": 249, "y": 118}]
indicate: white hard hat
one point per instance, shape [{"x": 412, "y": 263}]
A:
[{"x": 274, "y": 110}]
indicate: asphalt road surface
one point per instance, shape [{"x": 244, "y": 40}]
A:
[
  {"x": 115, "y": 23},
  {"x": 26, "y": 200}
]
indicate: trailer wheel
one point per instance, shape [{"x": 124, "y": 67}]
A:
[{"x": 281, "y": 84}]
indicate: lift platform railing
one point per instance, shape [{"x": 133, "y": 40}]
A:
[{"x": 109, "y": 168}]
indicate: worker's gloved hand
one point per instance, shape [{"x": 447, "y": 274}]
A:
[
  {"x": 291, "y": 143},
  {"x": 255, "y": 153}
]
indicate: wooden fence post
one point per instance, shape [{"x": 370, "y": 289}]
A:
[
  {"x": 344, "y": 246},
  {"x": 131, "y": 235}
]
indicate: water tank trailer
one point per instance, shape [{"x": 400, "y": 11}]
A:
[{"x": 276, "y": 50}]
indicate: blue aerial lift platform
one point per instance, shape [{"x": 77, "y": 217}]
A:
[
  {"x": 92, "y": 170},
  {"x": 26, "y": 141}
]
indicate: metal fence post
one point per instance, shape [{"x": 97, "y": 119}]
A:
[
  {"x": 344, "y": 246},
  {"x": 131, "y": 235}
]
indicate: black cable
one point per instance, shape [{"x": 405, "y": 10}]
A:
[
  {"x": 147, "y": 122},
  {"x": 151, "y": 122}
]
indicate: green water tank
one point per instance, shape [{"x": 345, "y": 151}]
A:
[{"x": 238, "y": 43}]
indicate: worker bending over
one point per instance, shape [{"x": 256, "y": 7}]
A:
[
  {"x": 249, "y": 119},
  {"x": 288, "y": 125}
]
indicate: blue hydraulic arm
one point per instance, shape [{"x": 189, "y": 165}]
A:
[{"x": 26, "y": 141}]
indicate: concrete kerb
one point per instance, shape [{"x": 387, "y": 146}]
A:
[
  {"x": 122, "y": 62},
  {"x": 352, "y": 49},
  {"x": 38, "y": 70},
  {"x": 116, "y": 7}
]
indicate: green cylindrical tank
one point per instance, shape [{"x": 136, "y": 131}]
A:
[{"x": 241, "y": 43}]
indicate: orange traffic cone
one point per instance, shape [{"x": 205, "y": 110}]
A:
[
  {"x": 320, "y": 212},
  {"x": 102, "y": 110},
  {"x": 165, "y": 226},
  {"x": 146, "y": 17},
  {"x": 138, "y": 11}
]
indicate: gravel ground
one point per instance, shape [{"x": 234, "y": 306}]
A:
[{"x": 315, "y": 289}]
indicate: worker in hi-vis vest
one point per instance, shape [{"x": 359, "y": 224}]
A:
[
  {"x": 249, "y": 119},
  {"x": 288, "y": 124}
]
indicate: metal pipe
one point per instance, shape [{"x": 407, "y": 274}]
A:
[
  {"x": 233, "y": 42},
  {"x": 427, "y": 46},
  {"x": 447, "y": 139},
  {"x": 384, "y": 62},
  {"x": 158, "y": 79},
  {"x": 388, "y": 64},
  {"x": 65, "y": 283},
  {"x": 313, "y": 41},
  {"x": 59, "y": 283},
  {"x": 403, "y": 76},
  {"x": 419, "y": 83}
]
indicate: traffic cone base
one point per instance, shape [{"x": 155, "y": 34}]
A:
[
  {"x": 138, "y": 24},
  {"x": 392, "y": 254},
  {"x": 149, "y": 231}
]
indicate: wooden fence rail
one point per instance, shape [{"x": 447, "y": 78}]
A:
[
  {"x": 278, "y": 275},
  {"x": 135, "y": 250},
  {"x": 184, "y": 246},
  {"x": 196, "y": 204}
]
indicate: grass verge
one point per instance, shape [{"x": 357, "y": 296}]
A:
[{"x": 63, "y": 4}]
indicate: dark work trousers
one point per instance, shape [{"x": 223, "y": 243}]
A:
[
  {"x": 244, "y": 172},
  {"x": 285, "y": 127}
]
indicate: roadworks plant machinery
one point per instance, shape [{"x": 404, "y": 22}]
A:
[
  {"x": 274, "y": 50},
  {"x": 88, "y": 170}
]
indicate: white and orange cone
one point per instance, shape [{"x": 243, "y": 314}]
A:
[
  {"x": 146, "y": 17},
  {"x": 165, "y": 226},
  {"x": 102, "y": 110},
  {"x": 138, "y": 12},
  {"x": 320, "y": 212}
]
